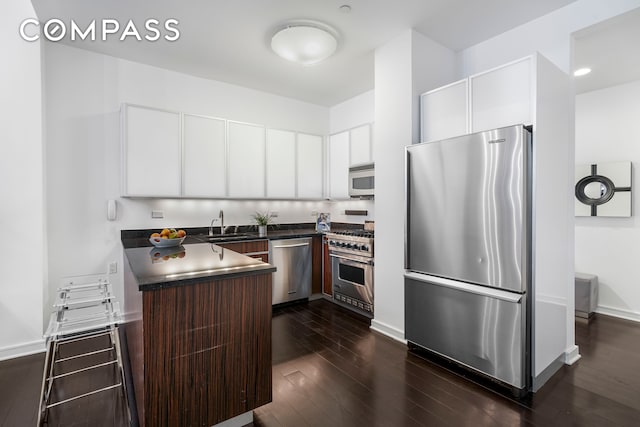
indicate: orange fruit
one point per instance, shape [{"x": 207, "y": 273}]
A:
[
  {"x": 182, "y": 233},
  {"x": 155, "y": 235},
  {"x": 165, "y": 232}
]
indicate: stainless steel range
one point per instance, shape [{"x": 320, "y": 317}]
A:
[{"x": 351, "y": 254}]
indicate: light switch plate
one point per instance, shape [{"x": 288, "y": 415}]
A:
[{"x": 157, "y": 214}]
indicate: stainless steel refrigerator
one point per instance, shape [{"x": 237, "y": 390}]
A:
[{"x": 467, "y": 254}]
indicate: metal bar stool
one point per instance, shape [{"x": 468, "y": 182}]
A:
[{"x": 85, "y": 308}]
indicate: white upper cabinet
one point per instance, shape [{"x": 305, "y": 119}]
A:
[
  {"x": 246, "y": 160},
  {"x": 178, "y": 155},
  {"x": 339, "y": 166},
  {"x": 204, "y": 150},
  {"x": 310, "y": 161},
  {"x": 151, "y": 152},
  {"x": 444, "y": 112},
  {"x": 502, "y": 96},
  {"x": 492, "y": 99},
  {"x": 281, "y": 164},
  {"x": 360, "y": 146}
]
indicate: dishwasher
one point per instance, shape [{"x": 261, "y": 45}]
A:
[{"x": 292, "y": 279}]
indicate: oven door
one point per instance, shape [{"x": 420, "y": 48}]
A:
[{"x": 352, "y": 277}]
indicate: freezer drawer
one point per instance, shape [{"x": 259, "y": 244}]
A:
[
  {"x": 292, "y": 279},
  {"x": 482, "y": 328}
]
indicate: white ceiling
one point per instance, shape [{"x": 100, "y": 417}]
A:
[
  {"x": 229, "y": 40},
  {"x": 611, "y": 49}
]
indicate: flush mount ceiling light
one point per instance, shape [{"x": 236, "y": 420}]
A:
[
  {"x": 581, "y": 72},
  {"x": 305, "y": 42}
]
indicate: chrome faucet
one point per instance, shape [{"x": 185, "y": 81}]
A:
[{"x": 221, "y": 218}]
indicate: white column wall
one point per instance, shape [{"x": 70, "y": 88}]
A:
[
  {"x": 405, "y": 67},
  {"x": 22, "y": 254}
]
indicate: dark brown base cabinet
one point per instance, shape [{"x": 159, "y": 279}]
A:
[{"x": 200, "y": 352}]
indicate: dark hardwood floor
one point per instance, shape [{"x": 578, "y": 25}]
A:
[{"x": 331, "y": 370}]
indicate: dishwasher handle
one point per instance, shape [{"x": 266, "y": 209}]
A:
[{"x": 290, "y": 246}]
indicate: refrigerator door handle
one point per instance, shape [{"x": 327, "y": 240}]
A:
[{"x": 466, "y": 287}]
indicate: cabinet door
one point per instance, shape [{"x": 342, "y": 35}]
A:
[
  {"x": 444, "y": 112},
  {"x": 246, "y": 160},
  {"x": 152, "y": 152},
  {"x": 360, "y": 145},
  {"x": 502, "y": 96},
  {"x": 281, "y": 164},
  {"x": 204, "y": 172},
  {"x": 339, "y": 166},
  {"x": 310, "y": 166}
]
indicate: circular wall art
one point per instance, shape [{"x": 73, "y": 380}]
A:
[{"x": 603, "y": 189}]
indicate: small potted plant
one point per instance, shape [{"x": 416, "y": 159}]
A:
[{"x": 262, "y": 220}]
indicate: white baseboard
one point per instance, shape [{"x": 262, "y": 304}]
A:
[
  {"x": 24, "y": 349},
  {"x": 388, "y": 330},
  {"x": 618, "y": 312},
  {"x": 572, "y": 355}
]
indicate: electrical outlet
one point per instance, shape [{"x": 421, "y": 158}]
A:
[
  {"x": 113, "y": 267},
  {"x": 274, "y": 214},
  {"x": 157, "y": 214}
]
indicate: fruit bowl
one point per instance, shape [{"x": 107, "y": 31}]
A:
[
  {"x": 159, "y": 242},
  {"x": 167, "y": 238}
]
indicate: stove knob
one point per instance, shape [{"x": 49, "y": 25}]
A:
[
  {"x": 364, "y": 248},
  {"x": 350, "y": 245}
]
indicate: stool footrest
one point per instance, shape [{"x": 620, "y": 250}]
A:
[{"x": 51, "y": 405}]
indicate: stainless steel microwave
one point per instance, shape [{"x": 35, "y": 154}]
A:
[{"x": 362, "y": 180}]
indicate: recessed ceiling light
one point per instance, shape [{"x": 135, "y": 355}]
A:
[
  {"x": 345, "y": 8},
  {"x": 582, "y": 72},
  {"x": 305, "y": 42}
]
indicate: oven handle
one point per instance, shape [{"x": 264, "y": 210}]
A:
[{"x": 368, "y": 262}]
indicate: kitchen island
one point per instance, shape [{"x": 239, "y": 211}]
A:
[{"x": 198, "y": 330}]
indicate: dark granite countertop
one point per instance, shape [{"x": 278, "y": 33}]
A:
[{"x": 156, "y": 268}]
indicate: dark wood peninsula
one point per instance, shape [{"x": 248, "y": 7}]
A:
[{"x": 198, "y": 333}]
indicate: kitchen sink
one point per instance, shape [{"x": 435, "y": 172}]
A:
[{"x": 226, "y": 237}]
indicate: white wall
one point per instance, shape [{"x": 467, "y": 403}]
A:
[
  {"x": 607, "y": 131},
  {"x": 353, "y": 112},
  {"x": 22, "y": 256},
  {"x": 549, "y": 35},
  {"x": 84, "y": 91},
  {"x": 405, "y": 66}
]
